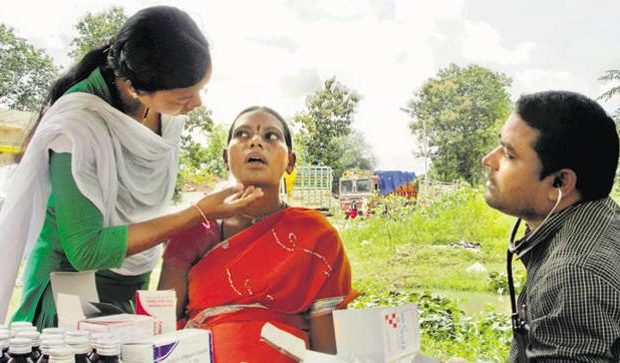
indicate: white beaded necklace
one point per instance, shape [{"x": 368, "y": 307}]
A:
[{"x": 258, "y": 218}]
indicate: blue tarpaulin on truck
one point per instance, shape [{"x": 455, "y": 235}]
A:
[{"x": 392, "y": 179}]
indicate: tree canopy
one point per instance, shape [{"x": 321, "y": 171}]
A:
[
  {"x": 95, "y": 30},
  {"x": 326, "y": 124},
  {"x": 25, "y": 72},
  {"x": 457, "y": 117},
  {"x": 611, "y": 76}
]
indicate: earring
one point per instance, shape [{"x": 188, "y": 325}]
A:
[{"x": 146, "y": 113}]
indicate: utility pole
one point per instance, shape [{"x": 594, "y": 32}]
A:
[{"x": 424, "y": 142}]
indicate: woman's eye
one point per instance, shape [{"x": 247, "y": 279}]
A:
[
  {"x": 241, "y": 133},
  {"x": 273, "y": 136}
]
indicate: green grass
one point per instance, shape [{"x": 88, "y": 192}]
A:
[
  {"x": 411, "y": 253},
  {"x": 410, "y": 247}
]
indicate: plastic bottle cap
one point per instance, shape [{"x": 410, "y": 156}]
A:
[
  {"x": 47, "y": 336},
  {"x": 96, "y": 337},
  {"x": 57, "y": 331},
  {"x": 20, "y": 346},
  {"x": 77, "y": 333},
  {"x": 20, "y": 323},
  {"x": 61, "y": 355},
  {"x": 32, "y": 335},
  {"x": 49, "y": 343},
  {"x": 81, "y": 348},
  {"x": 76, "y": 339},
  {"x": 109, "y": 346},
  {"x": 79, "y": 344},
  {"x": 19, "y": 328}
]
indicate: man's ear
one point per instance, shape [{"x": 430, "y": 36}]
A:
[
  {"x": 566, "y": 181},
  {"x": 292, "y": 159}
]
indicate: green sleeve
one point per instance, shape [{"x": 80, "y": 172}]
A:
[{"x": 87, "y": 244}]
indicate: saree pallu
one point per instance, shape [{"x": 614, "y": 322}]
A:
[{"x": 279, "y": 270}]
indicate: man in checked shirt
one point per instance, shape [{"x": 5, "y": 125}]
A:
[{"x": 554, "y": 168}]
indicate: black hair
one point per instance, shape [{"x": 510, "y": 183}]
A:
[
  {"x": 158, "y": 48},
  {"x": 574, "y": 133},
  {"x": 287, "y": 132}
]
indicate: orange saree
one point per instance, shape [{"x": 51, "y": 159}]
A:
[{"x": 280, "y": 270}]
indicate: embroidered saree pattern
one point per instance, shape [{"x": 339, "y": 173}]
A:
[{"x": 274, "y": 271}]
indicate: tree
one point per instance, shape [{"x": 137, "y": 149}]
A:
[
  {"x": 199, "y": 123},
  {"x": 25, "y": 72},
  {"x": 95, "y": 30},
  {"x": 356, "y": 153},
  {"x": 457, "y": 115},
  {"x": 611, "y": 76},
  {"x": 328, "y": 118},
  {"x": 199, "y": 163}
]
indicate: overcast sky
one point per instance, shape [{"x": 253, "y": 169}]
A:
[{"x": 276, "y": 52}]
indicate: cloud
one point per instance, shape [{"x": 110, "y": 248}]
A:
[
  {"x": 322, "y": 10},
  {"x": 483, "y": 43},
  {"x": 384, "y": 9},
  {"x": 542, "y": 79},
  {"x": 277, "y": 42},
  {"x": 300, "y": 84}
]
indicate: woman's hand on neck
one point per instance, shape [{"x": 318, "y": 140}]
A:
[{"x": 270, "y": 203}]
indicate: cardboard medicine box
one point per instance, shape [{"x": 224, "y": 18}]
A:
[
  {"x": 380, "y": 334},
  {"x": 128, "y": 327},
  {"x": 187, "y": 345}
]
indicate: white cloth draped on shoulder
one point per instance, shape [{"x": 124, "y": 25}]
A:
[{"x": 127, "y": 171}]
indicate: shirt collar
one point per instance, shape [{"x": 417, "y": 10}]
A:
[{"x": 534, "y": 237}]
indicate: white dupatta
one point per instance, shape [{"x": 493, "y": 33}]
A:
[{"x": 127, "y": 171}]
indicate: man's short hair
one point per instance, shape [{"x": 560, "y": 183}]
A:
[{"x": 575, "y": 133}]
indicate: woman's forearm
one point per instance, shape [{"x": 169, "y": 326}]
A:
[{"x": 144, "y": 235}]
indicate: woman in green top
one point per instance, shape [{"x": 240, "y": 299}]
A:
[{"x": 101, "y": 164}]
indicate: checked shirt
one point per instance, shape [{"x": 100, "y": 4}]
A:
[{"x": 571, "y": 299}]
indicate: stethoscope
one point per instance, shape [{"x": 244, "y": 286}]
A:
[{"x": 519, "y": 325}]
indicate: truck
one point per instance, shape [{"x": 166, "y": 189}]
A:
[
  {"x": 309, "y": 186},
  {"x": 361, "y": 189}
]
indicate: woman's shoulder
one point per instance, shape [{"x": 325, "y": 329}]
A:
[
  {"x": 310, "y": 220},
  {"x": 308, "y": 215}
]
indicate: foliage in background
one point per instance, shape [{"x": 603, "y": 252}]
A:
[
  {"x": 612, "y": 75},
  {"x": 356, "y": 153},
  {"x": 457, "y": 116},
  {"x": 25, "y": 72},
  {"x": 200, "y": 156},
  {"x": 198, "y": 125},
  {"x": 95, "y": 30},
  {"x": 407, "y": 249},
  {"x": 446, "y": 330},
  {"x": 325, "y": 124}
]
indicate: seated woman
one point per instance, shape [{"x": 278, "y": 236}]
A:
[{"x": 271, "y": 263}]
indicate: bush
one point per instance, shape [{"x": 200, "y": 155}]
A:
[
  {"x": 415, "y": 247},
  {"x": 447, "y": 331}
]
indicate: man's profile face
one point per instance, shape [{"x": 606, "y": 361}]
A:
[{"x": 513, "y": 168}]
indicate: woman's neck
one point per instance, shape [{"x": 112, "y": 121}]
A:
[
  {"x": 134, "y": 108},
  {"x": 269, "y": 204}
]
